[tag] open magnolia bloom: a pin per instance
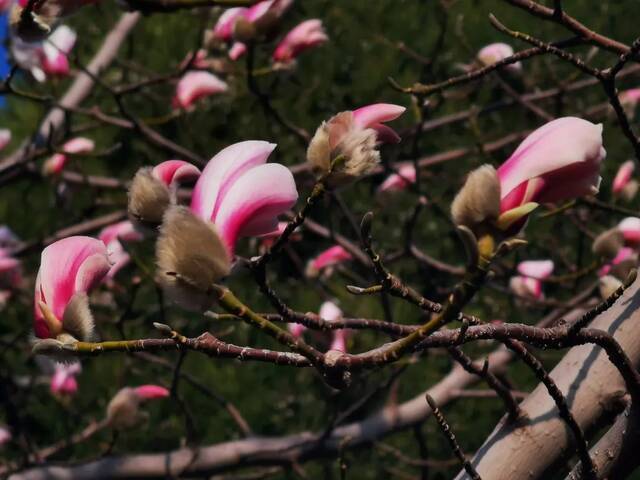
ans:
(152, 190)
(123, 411)
(305, 36)
(55, 50)
(237, 195)
(346, 146)
(558, 161)
(112, 236)
(69, 269)
(496, 52)
(195, 85)
(529, 282)
(76, 146)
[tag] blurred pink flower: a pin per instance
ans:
(306, 35)
(123, 410)
(111, 236)
(399, 181)
(63, 380)
(629, 100)
(330, 312)
(223, 29)
(496, 52)
(622, 178)
(55, 50)
(5, 137)
(77, 145)
(195, 85)
(242, 194)
(67, 267)
(237, 50)
(529, 282)
(5, 436)
(624, 254)
(630, 228)
(330, 257)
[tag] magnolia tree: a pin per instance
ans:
(238, 245)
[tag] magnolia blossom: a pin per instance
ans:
(296, 329)
(306, 35)
(399, 181)
(619, 266)
(629, 100)
(353, 135)
(69, 268)
(241, 194)
(327, 259)
(123, 411)
(623, 185)
(112, 236)
(497, 52)
(195, 85)
(558, 161)
(55, 50)
(5, 435)
(237, 50)
(529, 282)
(223, 29)
(630, 228)
(77, 145)
(63, 380)
(330, 312)
(5, 137)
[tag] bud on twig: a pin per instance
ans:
(479, 199)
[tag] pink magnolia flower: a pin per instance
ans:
(237, 50)
(399, 181)
(306, 35)
(558, 161)
(68, 267)
(529, 282)
(242, 194)
(63, 381)
(629, 100)
(112, 236)
(274, 8)
(624, 254)
(330, 312)
(296, 329)
(77, 145)
(630, 228)
(329, 258)
(171, 172)
(623, 176)
(223, 29)
(5, 435)
(123, 410)
(195, 85)
(55, 50)
(5, 137)
(496, 52)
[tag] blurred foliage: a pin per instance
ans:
(350, 71)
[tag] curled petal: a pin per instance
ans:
(538, 269)
(196, 85)
(371, 115)
(150, 392)
(176, 171)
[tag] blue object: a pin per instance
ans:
(4, 56)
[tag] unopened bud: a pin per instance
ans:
(77, 319)
(629, 191)
(191, 257)
(148, 198)
(123, 411)
(608, 243)
(479, 199)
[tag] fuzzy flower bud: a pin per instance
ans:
(608, 243)
(479, 199)
(123, 411)
(191, 257)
